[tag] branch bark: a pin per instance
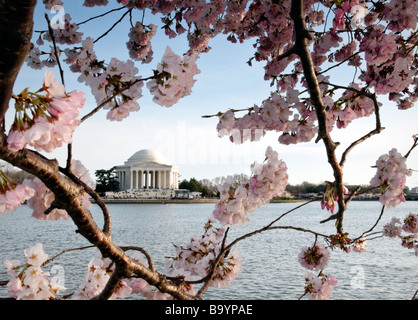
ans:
(16, 25)
(302, 50)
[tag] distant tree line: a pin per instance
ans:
(208, 187)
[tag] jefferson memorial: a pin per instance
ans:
(147, 169)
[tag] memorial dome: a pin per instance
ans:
(146, 156)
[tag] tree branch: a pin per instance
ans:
(302, 50)
(16, 23)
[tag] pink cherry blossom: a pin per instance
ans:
(268, 180)
(54, 121)
(28, 280)
(42, 200)
(411, 223)
(12, 195)
(177, 78)
(315, 257)
(391, 177)
(319, 287)
(393, 228)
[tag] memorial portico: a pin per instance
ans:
(147, 169)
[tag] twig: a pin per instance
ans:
(375, 224)
(65, 251)
(145, 253)
(51, 33)
(102, 104)
(375, 131)
(338, 64)
(114, 25)
(100, 15)
(415, 137)
(295, 208)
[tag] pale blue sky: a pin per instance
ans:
(190, 141)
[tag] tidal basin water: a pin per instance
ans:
(271, 270)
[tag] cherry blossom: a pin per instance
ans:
(411, 223)
(391, 177)
(43, 197)
(99, 271)
(359, 245)
(139, 44)
(315, 257)
(42, 200)
(29, 281)
(319, 287)
(376, 39)
(12, 195)
(54, 117)
(330, 196)
(196, 259)
(268, 180)
(176, 78)
(115, 85)
(394, 229)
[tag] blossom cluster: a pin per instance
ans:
(28, 280)
(394, 229)
(351, 106)
(286, 115)
(96, 278)
(330, 196)
(116, 85)
(175, 78)
(315, 257)
(391, 177)
(319, 287)
(139, 44)
(267, 180)
(12, 195)
(45, 121)
(197, 258)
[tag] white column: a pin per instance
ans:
(146, 177)
(140, 176)
(164, 179)
(170, 179)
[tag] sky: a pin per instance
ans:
(189, 141)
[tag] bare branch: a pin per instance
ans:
(96, 198)
(145, 253)
(56, 51)
(414, 145)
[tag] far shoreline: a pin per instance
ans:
(188, 201)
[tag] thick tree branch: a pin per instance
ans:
(67, 194)
(302, 50)
(16, 23)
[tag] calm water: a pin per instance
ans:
(270, 266)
